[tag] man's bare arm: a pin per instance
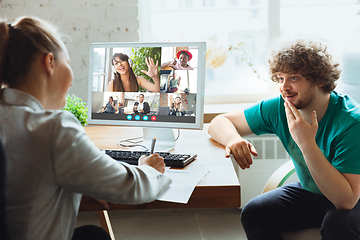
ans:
(228, 129)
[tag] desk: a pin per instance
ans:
(219, 189)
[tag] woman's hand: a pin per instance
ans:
(154, 160)
(152, 68)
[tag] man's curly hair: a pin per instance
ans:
(309, 58)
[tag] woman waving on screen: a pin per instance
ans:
(125, 79)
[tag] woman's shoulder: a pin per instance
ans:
(67, 125)
(49, 124)
(60, 117)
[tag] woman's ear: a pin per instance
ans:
(50, 64)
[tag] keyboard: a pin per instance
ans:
(171, 159)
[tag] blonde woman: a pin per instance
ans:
(50, 160)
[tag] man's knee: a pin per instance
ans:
(248, 209)
(341, 224)
(253, 210)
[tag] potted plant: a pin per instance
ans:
(77, 107)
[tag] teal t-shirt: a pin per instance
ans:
(174, 83)
(337, 136)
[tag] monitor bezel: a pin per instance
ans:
(199, 117)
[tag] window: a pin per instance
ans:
(100, 69)
(238, 33)
(322, 20)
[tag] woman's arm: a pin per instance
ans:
(102, 109)
(149, 85)
(153, 73)
(93, 173)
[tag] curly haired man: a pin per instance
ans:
(318, 128)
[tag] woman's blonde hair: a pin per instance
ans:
(21, 42)
(307, 57)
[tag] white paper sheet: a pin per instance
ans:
(182, 186)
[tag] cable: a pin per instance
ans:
(178, 135)
(131, 142)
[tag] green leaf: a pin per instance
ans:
(77, 107)
(138, 58)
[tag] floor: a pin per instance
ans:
(175, 224)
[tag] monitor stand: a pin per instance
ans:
(165, 140)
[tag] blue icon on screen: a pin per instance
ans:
(129, 117)
(145, 118)
(137, 117)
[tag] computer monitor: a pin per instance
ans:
(127, 89)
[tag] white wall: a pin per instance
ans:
(84, 21)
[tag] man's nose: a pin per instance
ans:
(285, 85)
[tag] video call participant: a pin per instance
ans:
(110, 107)
(57, 162)
(141, 106)
(182, 64)
(177, 108)
(173, 83)
(125, 79)
(318, 127)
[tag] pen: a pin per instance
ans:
(153, 145)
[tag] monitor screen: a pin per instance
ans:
(149, 85)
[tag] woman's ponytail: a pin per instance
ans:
(4, 44)
(21, 43)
